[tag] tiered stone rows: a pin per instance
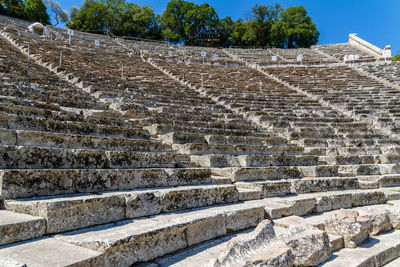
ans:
(339, 51)
(370, 99)
(388, 72)
(58, 140)
(283, 56)
(107, 160)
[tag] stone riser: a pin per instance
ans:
(285, 172)
(68, 212)
(27, 123)
(46, 139)
(31, 183)
(52, 158)
(298, 186)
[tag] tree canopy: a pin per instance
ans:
(33, 10)
(117, 16)
(182, 22)
(187, 23)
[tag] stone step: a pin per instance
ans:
(299, 186)
(127, 242)
(345, 151)
(297, 172)
(71, 141)
(33, 183)
(48, 252)
(198, 255)
(64, 115)
(182, 138)
(261, 173)
(15, 227)
(200, 149)
(223, 160)
(389, 180)
(47, 125)
(245, 140)
(27, 157)
(157, 129)
(68, 212)
(376, 251)
(304, 204)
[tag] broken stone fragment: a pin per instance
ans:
(380, 221)
(243, 246)
(310, 247)
(347, 223)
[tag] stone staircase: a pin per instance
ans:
(119, 155)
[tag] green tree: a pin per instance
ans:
(73, 13)
(138, 21)
(13, 8)
(90, 18)
(298, 29)
(258, 30)
(60, 15)
(35, 10)
(121, 18)
(185, 22)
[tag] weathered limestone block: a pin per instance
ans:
(197, 196)
(310, 247)
(300, 205)
(368, 198)
(241, 246)
(29, 183)
(16, 227)
(48, 252)
(341, 200)
(347, 223)
(128, 160)
(278, 254)
(276, 210)
(143, 203)
(127, 242)
(324, 203)
(243, 216)
(248, 194)
(267, 188)
(205, 230)
(337, 242)
(380, 221)
(65, 213)
(27, 157)
(393, 210)
(308, 185)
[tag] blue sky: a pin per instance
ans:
(377, 21)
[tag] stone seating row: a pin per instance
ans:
(119, 244)
(264, 245)
(340, 50)
(369, 99)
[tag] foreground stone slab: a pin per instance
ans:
(144, 239)
(278, 254)
(15, 227)
(380, 220)
(347, 223)
(239, 248)
(310, 247)
(375, 251)
(72, 211)
(49, 252)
